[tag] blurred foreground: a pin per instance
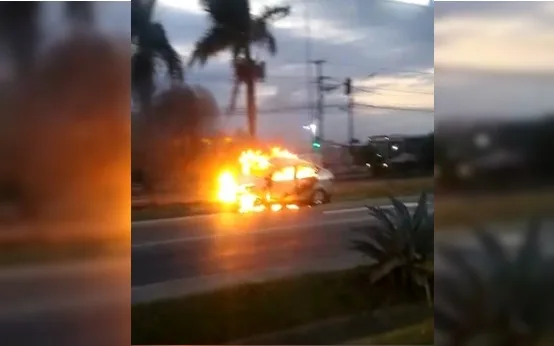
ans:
(64, 181)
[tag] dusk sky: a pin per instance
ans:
(356, 37)
(494, 59)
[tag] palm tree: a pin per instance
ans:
(400, 245)
(20, 31)
(493, 298)
(80, 13)
(150, 43)
(235, 29)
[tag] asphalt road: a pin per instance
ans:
(66, 304)
(234, 244)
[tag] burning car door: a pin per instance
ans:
(282, 184)
(306, 179)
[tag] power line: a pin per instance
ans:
(242, 112)
(362, 89)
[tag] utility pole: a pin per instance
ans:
(320, 99)
(350, 109)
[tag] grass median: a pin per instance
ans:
(344, 191)
(418, 334)
(247, 310)
(457, 210)
(37, 251)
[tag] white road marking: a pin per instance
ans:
(360, 209)
(162, 221)
(159, 222)
(298, 227)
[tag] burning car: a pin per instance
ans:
(275, 180)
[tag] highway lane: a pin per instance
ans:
(84, 303)
(157, 231)
(233, 244)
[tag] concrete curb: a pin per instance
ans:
(376, 201)
(53, 270)
(177, 288)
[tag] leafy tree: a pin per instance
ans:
(494, 298)
(150, 44)
(400, 245)
(168, 147)
(234, 28)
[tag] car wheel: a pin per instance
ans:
(318, 197)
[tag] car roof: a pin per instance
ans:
(288, 161)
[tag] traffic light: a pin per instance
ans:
(348, 86)
(316, 143)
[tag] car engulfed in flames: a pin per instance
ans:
(246, 187)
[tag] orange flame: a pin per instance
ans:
(254, 162)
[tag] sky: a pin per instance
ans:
(493, 60)
(357, 38)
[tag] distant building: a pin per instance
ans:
(394, 145)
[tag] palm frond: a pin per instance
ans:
(384, 268)
(403, 214)
(216, 40)
(491, 299)
(142, 76)
(492, 247)
(232, 14)
(173, 61)
(141, 16)
(383, 217)
(529, 254)
(420, 276)
(371, 248)
(453, 257)
(421, 214)
(261, 36)
(273, 13)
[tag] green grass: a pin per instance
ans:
(28, 253)
(344, 191)
(452, 211)
(418, 334)
(256, 309)
(166, 211)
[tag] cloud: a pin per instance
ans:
(494, 59)
(355, 37)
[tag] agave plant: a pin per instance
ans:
(500, 299)
(400, 244)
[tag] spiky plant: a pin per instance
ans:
(400, 244)
(498, 298)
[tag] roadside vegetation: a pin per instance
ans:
(495, 297)
(399, 275)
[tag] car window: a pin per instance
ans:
(305, 171)
(283, 174)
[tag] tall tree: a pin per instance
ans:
(150, 44)
(20, 30)
(80, 13)
(234, 28)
